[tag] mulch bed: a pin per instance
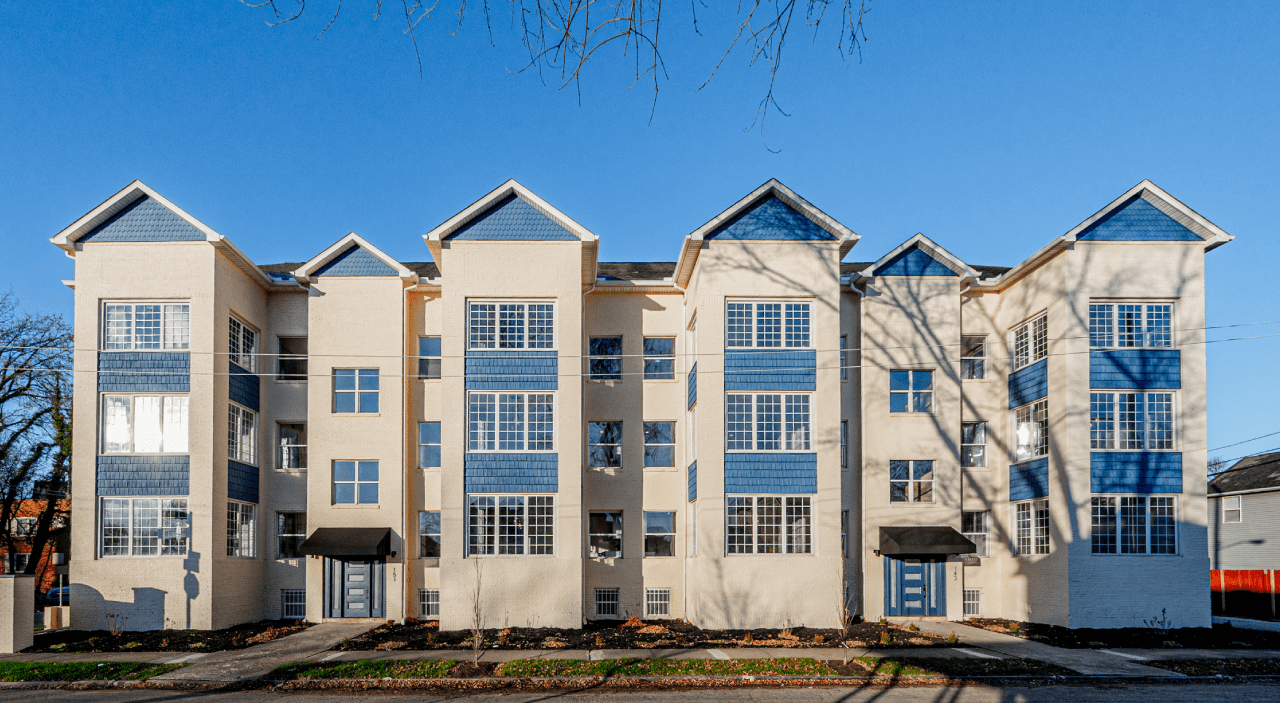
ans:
(1219, 637)
(189, 641)
(650, 634)
(1219, 667)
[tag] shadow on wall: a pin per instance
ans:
(91, 611)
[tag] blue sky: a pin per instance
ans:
(989, 127)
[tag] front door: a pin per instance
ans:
(915, 587)
(354, 588)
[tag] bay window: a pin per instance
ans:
(1133, 525)
(510, 422)
(767, 324)
(767, 422)
(144, 527)
(146, 326)
(242, 345)
(242, 530)
(1131, 421)
(242, 434)
(510, 525)
(1031, 519)
(1031, 430)
(144, 424)
(511, 325)
(767, 525)
(1131, 325)
(1030, 341)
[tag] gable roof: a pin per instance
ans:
(920, 256)
(1249, 474)
(770, 218)
(512, 218)
(353, 256)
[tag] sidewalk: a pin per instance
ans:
(258, 661)
(506, 655)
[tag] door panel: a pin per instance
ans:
(914, 587)
(354, 588)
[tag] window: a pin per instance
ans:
(973, 444)
(293, 604)
(767, 325)
(429, 534)
(691, 516)
(429, 357)
(976, 526)
(497, 525)
(972, 602)
(755, 524)
(510, 422)
(511, 325)
(607, 602)
(355, 390)
(1030, 342)
(291, 531)
(158, 326)
(604, 445)
(242, 434)
(242, 345)
(1131, 421)
(429, 603)
(1032, 520)
(144, 424)
(1231, 509)
(429, 445)
(659, 358)
(973, 358)
(844, 533)
(767, 422)
(844, 359)
(844, 444)
(604, 535)
(1133, 525)
(659, 444)
(16, 563)
(659, 534)
(910, 481)
(910, 391)
(1031, 430)
(242, 537)
(657, 602)
(605, 362)
(355, 482)
(24, 526)
(293, 445)
(1130, 325)
(292, 361)
(144, 527)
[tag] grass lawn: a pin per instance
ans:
(365, 670)
(81, 671)
(959, 667)
(665, 667)
(1213, 667)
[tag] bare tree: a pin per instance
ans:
(1216, 466)
(477, 615)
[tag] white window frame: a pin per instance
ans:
(489, 440)
(605, 367)
(1107, 437)
(670, 445)
(423, 462)
(914, 396)
(1107, 335)
(293, 603)
(242, 434)
(429, 365)
(977, 363)
(478, 341)
(916, 487)
(181, 439)
(594, 552)
(301, 364)
(425, 532)
(242, 530)
(786, 327)
(429, 603)
(1031, 537)
(484, 531)
(1118, 544)
(980, 537)
(1028, 417)
(617, 447)
(174, 326)
(242, 344)
(357, 376)
(356, 482)
(793, 435)
(965, 457)
(300, 536)
(657, 602)
(654, 532)
(298, 451)
(607, 603)
(671, 358)
(844, 357)
(764, 533)
(1238, 510)
(172, 527)
(975, 601)
(1030, 341)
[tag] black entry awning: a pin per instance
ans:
(348, 542)
(924, 540)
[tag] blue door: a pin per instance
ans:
(915, 587)
(354, 588)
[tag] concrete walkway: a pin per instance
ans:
(506, 655)
(259, 660)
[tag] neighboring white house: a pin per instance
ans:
(1244, 537)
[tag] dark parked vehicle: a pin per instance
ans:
(58, 596)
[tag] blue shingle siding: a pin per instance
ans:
(1029, 383)
(913, 262)
(144, 372)
(1137, 221)
(1135, 368)
(145, 220)
(242, 482)
(770, 218)
(693, 386)
(770, 473)
(770, 371)
(356, 261)
(1135, 472)
(512, 370)
(513, 219)
(1030, 479)
(243, 387)
(693, 481)
(495, 472)
(151, 475)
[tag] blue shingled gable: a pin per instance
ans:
(913, 262)
(513, 219)
(356, 261)
(770, 219)
(1137, 221)
(146, 220)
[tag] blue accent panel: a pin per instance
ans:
(243, 387)
(356, 261)
(693, 386)
(151, 475)
(242, 482)
(146, 220)
(770, 473)
(1030, 479)
(770, 219)
(1029, 383)
(1137, 221)
(512, 370)
(1135, 472)
(142, 372)
(530, 472)
(693, 481)
(913, 262)
(1135, 368)
(513, 219)
(770, 371)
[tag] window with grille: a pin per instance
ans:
(910, 481)
(146, 326)
(144, 527)
(293, 445)
(144, 424)
(972, 602)
(429, 603)
(1031, 430)
(973, 358)
(605, 362)
(510, 422)
(606, 602)
(511, 325)
(659, 444)
(1131, 421)
(429, 445)
(510, 525)
(292, 360)
(604, 535)
(242, 529)
(242, 434)
(1031, 519)
(659, 358)
(657, 602)
(659, 534)
(1130, 325)
(242, 345)
(293, 604)
(767, 324)
(1030, 342)
(429, 534)
(976, 526)
(24, 526)
(767, 525)
(1133, 525)
(910, 391)
(291, 531)
(355, 482)
(765, 422)
(355, 390)
(973, 444)
(429, 357)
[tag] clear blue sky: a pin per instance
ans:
(989, 127)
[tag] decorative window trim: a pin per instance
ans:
(1113, 427)
(242, 530)
(975, 525)
(502, 525)
(784, 527)
(165, 527)
(654, 530)
(486, 435)
(242, 344)
(790, 413)
(1113, 516)
(1111, 324)
(1030, 341)
(604, 530)
(242, 434)
(1030, 429)
(173, 325)
(173, 423)
(789, 326)
(655, 362)
(506, 332)
(973, 362)
(914, 401)
(1031, 523)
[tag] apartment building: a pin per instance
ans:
(756, 434)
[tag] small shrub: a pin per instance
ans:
(748, 637)
(885, 638)
(953, 639)
(431, 637)
(1013, 627)
(600, 641)
(913, 627)
(819, 639)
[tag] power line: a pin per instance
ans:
(1246, 441)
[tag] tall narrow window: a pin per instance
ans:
(659, 534)
(910, 391)
(844, 444)
(355, 482)
(910, 481)
(293, 446)
(429, 534)
(606, 359)
(355, 390)
(291, 531)
(429, 357)
(844, 357)
(242, 532)
(767, 324)
(1030, 342)
(973, 444)
(1031, 430)
(604, 445)
(604, 535)
(146, 326)
(292, 360)
(242, 434)
(1032, 527)
(659, 444)
(844, 533)
(975, 526)
(659, 358)
(429, 445)
(242, 346)
(973, 358)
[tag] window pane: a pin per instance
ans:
(659, 433)
(1102, 421)
(659, 523)
(768, 324)
(898, 402)
(737, 422)
(899, 380)
(797, 324)
(1102, 535)
(1129, 326)
(1129, 420)
(146, 326)
(768, 422)
(368, 493)
(1133, 525)
(738, 325)
(369, 402)
(1100, 326)
(483, 332)
(739, 522)
(117, 330)
(1159, 325)
(1164, 536)
(541, 414)
(177, 326)
(344, 471)
(511, 326)
(797, 422)
(659, 456)
(659, 346)
(510, 422)
(1159, 421)
(511, 525)
(116, 432)
(146, 527)
(368, 471)
(428, 433)
(541, 323)
(769, 537)
(175, 423)
(146, 424)
(368, 379)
